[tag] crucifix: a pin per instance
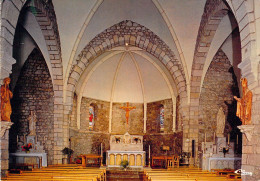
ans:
(127, 109)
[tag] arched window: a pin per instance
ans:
(91, 117)
(161, 117)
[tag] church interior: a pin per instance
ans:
(152, 86)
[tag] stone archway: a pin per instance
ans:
(45, 16)
(134, 35)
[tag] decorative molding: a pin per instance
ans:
(247, 130)
(5, 126)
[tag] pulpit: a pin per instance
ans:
(126, 147)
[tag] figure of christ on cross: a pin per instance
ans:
(127, 110)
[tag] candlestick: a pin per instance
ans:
(228, 138)
(24, 139)
(205, 137)
(214, 137)
(101, 150)
(237, 139)
(17, 139)
(149, 151)
(101, 162)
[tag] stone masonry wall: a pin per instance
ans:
(218, 90)
(34, 92)
(136, 123)
(156, 141)
(153, 113)
(101, 119)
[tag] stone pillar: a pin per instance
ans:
(251, 133)
(5, 126)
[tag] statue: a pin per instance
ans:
(32, 123)
(6, 95)
(221, 119)
(244, 104)
(127, 110)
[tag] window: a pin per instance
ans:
(161, 118)
(91, 117)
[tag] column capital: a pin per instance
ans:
(5, 126)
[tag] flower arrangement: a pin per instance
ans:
(124, 163)
(67, 151)
(27, 147)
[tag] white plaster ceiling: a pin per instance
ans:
(127, 77)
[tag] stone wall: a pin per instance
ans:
(88, 142)
(218, 90)
(101, 119)
(84, 141)
(153, 113)
(34, 92)
(135, 122)
(156, 141)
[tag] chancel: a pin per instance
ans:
(94, 88)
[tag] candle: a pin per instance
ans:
(149, 151)
(214, 137)
(101, 150)
(237, 139)
(205, 137)
(17, 139)
(228, 138)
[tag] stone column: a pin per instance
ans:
(5, 126)
(251, 133)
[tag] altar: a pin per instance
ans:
(126, 147)
(19, 158)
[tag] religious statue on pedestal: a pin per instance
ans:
(221, 119)
(244, 104)
(32, 123)
(6, 95)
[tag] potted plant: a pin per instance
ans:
(124, 164)
(67, 152)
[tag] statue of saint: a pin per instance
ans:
(32, 123)
(6, 95)
(244, 104)
(221, 119)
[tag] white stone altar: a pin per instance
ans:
(126, 147)
(214, 157)
(19, 157)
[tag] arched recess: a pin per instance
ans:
(130, 50)
(218, 90)
(214, 11)
(118, 35)
(34, 92)
(45, 16)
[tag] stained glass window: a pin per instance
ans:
(91, 117)
(161, 118)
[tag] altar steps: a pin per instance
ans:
(121, 175)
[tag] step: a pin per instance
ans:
(118, 175)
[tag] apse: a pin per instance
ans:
(127, 77)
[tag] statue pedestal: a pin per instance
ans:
(247, 130)
(5, 126)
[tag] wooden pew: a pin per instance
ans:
(61, 172)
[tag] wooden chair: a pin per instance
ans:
(174, 162)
